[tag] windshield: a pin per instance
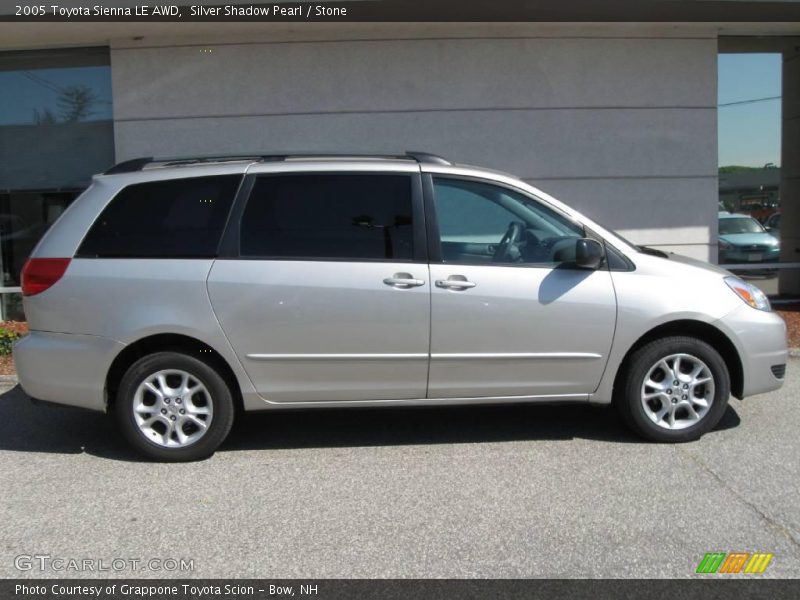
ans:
(739, 225)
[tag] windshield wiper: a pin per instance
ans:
(652, 251)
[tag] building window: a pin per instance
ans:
(749, 128)
(56, 131)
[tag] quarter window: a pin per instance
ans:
(349, 217)
(484, 223)
(176, 218)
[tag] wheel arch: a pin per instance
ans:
(696, 329)
(165, 342)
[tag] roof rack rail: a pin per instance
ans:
(427, 157)
(137, 164)
(128, 166)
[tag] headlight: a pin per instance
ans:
(749, 293)
(723, 245)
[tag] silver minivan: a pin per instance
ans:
(177, 293)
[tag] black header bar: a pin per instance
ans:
(406, 10)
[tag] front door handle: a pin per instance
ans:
(403, 281)
(455, 282)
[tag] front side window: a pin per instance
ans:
(329, 216)
(176, 218)
(484, 223)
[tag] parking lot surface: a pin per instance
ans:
(514, 491)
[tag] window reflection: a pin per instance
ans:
(51, 96)
(56, 131)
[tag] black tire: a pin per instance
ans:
(219, 396)
(628, 396)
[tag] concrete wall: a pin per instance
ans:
(618, 121)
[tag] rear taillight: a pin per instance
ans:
(39, 274)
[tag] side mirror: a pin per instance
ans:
(588, 253)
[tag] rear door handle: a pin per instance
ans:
(403, 281)
(455, 284)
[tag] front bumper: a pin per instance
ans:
(65, 368)
(760, 338)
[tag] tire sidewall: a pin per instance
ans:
(640, 364)
(220, 397)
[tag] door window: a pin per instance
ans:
(331, 216)
(483, 223)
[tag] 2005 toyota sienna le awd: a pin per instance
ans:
(177, 293)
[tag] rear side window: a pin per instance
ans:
(349, 217)
(177, 218)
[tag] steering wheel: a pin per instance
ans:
(507, 250)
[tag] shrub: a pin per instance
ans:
(7, 339)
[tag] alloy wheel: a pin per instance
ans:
(677, 391)
(172, 408)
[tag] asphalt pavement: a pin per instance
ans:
(506, 491)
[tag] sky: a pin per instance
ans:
(749, 134)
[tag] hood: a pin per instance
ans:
(671, 258)
(749, 239)
(699, 264)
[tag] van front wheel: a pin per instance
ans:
(675, 389)
(173, 407)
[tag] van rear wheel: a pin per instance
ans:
(173, 407)
(674, 389)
